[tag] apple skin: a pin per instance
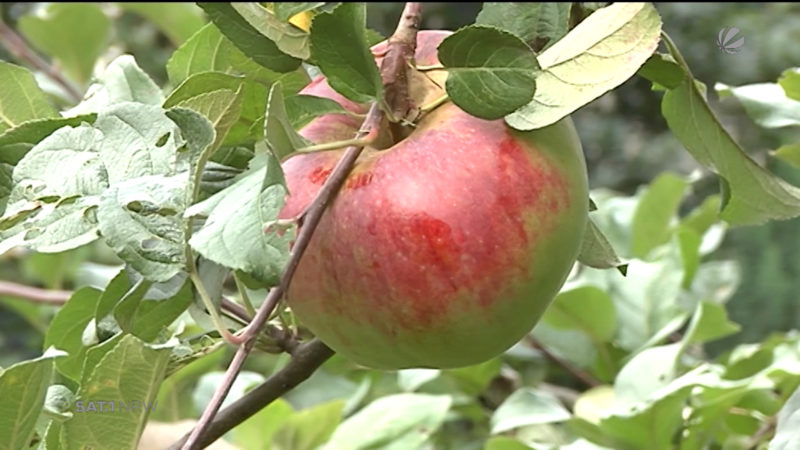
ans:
(443, 250)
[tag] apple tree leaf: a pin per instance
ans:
(490, 72)
(790, 82)
(339, 47)
(285, 10)
(127, 371)
(75, 34)
(789, 153)
(222, 107)
(754, 195)
(122, 81)
(527, 407)
(289, 39)
(21, 99)
(23, 388)
(598, 55)
(586, 308)
(66, 330)
(654, 212)
(19, 140)
(787, 431)
(282, 139)
(597, 252)
(141, 219)
(209, 50)
(250, 41)
(235, 232)
(538, 24)
(766, 103)
(309, 428)
(662, 69)
(177, 20)
(401, 420)
(302, 109)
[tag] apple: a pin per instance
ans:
(444, 246)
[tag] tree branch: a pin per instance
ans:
(34, 294)
(20, 49)
(401, 48)
(306, 359)
(581, 375)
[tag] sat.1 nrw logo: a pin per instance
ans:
(727, 42)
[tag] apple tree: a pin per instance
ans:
(315, 236)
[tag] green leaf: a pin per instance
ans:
(505, 443)
(689, 244)
(6, 185)
(310, 428)
(256, 432)
(654, 212)
(222, 107)
(234, 234)
(710, 322)
(125, 309)
(766, 103)
(597, 252)
(66, 330)
(756, 195)
(588, 309)
(142, 221)
(289, 39)
(473, 380)
(302, 109)
(209, 51)
(410, 380)
(282, 139)
(789, 153)
(647, 372)
(790, 82)
(21, 99)
(398, 421)
(153, 315)
(18, 141)
(340, 49)
(253, 103)
(787, 431)
(249, 40)
(596, 56)
(139, 140)
(527, 407)
(198, 133)
(75, 34)
(662, 69)
(129, 374)
(179, 21)
(285, 10)
(538, 24)
(490, 72)
(122, 81)
(23, 387)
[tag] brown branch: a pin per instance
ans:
(401, 48)
(34, 294)
(306, 359)
(581, 375)
(20, 49)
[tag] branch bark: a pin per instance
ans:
(401, 48)
(34, 294)
(581, 375)
(20, 49)
(306, 359)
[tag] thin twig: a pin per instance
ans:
(581, 375)
(306, 359)
(20, 49)
(34, 294)
(401, 48)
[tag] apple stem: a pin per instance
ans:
(401, 48)
(336, 145)
(434, 104)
